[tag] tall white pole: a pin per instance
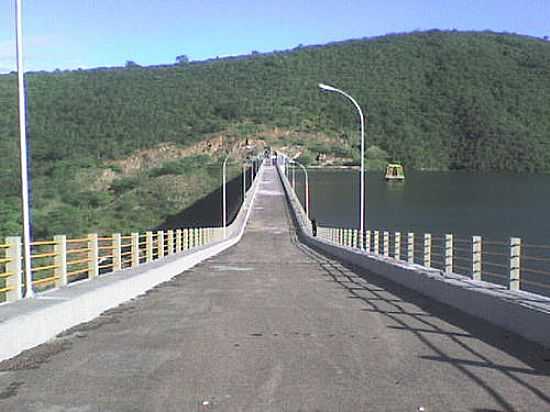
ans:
(25, 207)
(244, 182)
(362, 207)
(224, 201)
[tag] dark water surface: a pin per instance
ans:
(495, 207)
(465, 204)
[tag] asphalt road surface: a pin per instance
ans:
(270, 325)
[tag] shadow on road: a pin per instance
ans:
(389, 299)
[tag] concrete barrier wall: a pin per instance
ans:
(523, 313)
(31, 322)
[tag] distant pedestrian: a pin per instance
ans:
(314, 227)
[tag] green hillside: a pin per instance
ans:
(435, 100)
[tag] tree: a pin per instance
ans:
(182, 59)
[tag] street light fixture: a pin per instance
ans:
(327, 88)
(25, 204)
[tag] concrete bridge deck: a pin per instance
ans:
(270, 325)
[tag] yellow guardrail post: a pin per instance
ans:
(148, 246)
(448, 253)
(397, 246)
(515, 253)
(135, 249)
(427, 250)
(60, 260)
(178, 240)
(170, 242)
(14, 266)
(117, 251)
(185, 239)
(410, 247)
(160, 243)
(195, 237)
(93, 256)
(386, 244)
(476, 257)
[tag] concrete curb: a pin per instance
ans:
(523, 313)
(30, 322)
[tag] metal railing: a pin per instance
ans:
(61, 261)
(510, 263)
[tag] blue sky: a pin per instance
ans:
(91, 33)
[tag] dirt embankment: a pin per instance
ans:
(283, 140)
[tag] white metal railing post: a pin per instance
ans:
(376, 242)
(386, 249)
(367, 248)
(410, 247)
(515, 264)
(170, 242)
(60, 260)
(117, 252)
(149, 246)
(135, 249)
(93, 256)
(448, 253)
(178, 240)
(476, 257)
(15, 268)
(427, 250)
(397, 246)
(160, 244)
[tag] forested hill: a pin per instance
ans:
(479, 101)
(434, 100)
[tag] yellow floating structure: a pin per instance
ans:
(394, 172)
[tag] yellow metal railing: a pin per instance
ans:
(60, 261)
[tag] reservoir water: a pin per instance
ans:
(495, 207)
(465, 204)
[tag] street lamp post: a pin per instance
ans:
(306, 185)
(244, 181)
(224, 193)
(328, 88)
(25, 204)
(224, 200)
